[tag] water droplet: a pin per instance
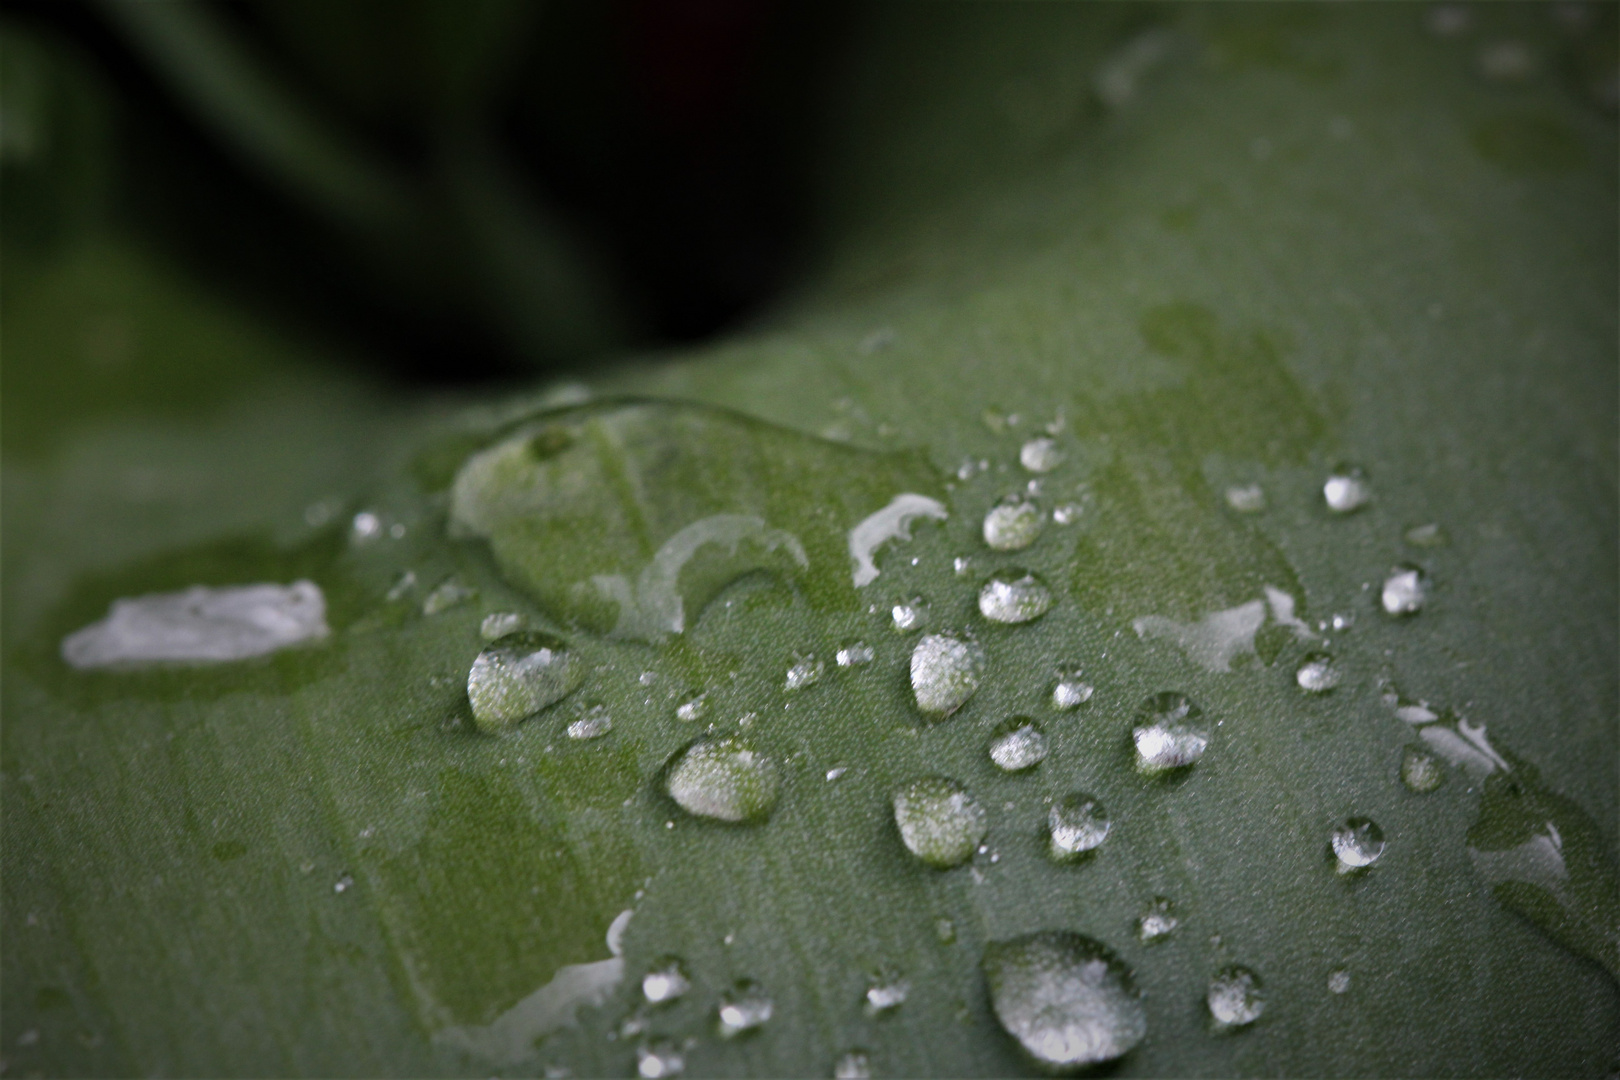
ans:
(1346, 490)
(1405, 590)
(658, 1058)
(447, 594)
(855, 654)
(1246, 499)
(945, 671)
(945, 931)
(1317, 674)
(1013, 524)
(1338, 981)
(1170, 733)
(1421, 771)
(743, 1008)
(1341, 623)
(690, 712)
(1019, 745)
(962, 565)
(1014, 596)
(1234, 997)
(909, 615)
(940, 822)
(592, 723)
(1430, 535)
(1070, 691)
(887, 992)
(724, 779)
(1066, 998)
(365, 527)
(665, 981)
(500, 623)
(1449, 20)
(852, 1065)
(518, 675)
(343, 884)
(806, 671)
(1040, 455)
(1357, 844)
(1157, 922)
(1067, 513)
(836, 773)
(1076, 824)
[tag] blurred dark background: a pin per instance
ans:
(460, 192)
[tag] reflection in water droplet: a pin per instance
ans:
(743, 1008)
(1235, 998)
(855, 654)
(1013, 524)
(1157, 922)
(724, 779)
(518, 675)
(1318, 674)
(1070, 691)
(1066, 998)
(1018, 745)
(1040, 455)
(939, 821)
(690, 712)
(1357, 844)
(852, 1065)
(665, 981)
(886, 993)
(447, 594)
(1247, 499)
(658, 1058)
(498, 624)
(1338, 981)
(1421, 771)
(1346, 490)
(1014, 596)
(945, 671)
(1170, 733)
(1405, 590)
(909, 615)
(805, 672)
(593, 723)
(1076, 824)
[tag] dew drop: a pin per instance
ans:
(887, 992)
(1066, 998)
(690, 712)
(1404, 591)
(1421, 771)
(665, 981)
(1246, 499)
(726, 780)
(1070, 691)
(1317, 674)
(1040, 455)
(852, 1065)
(805, 672)
(1357, 844)
(500, 623)
(1019, 745)
(365, 527)
(447, 594)
(1346, 490)
(945, 671)
(962, 565)
(743, 1008)
(659, 1058)
(939, 821)
(1013, 524)
(343, 884)
(1067, 513)
(518, 675)
(1170, 733)
(855, 654)
(909, 615)
(592, 723)
(1076, 824)
(1014, 596)
(836, 773)
(1338, 981)
(1234, 997)
(1157, 922)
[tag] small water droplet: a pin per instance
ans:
(1246, 498)
(665, 981)
(518, 675)
(690, 712)
(659, 1058)
(1014, 596)
(852, 1065)
(1338, 981)
(343, 884)
(966, 470)
(1066, 998)
(1076, 824)
(945, 931)
(1234, 997)
(447, 594)
(1317, 674)
(1013, 524)
(1357, 844)
(909, 615)
(1170, 733)
(836, 773)
(886, 993)
(365, 527)
(1157, 922)
(962, 565)
(1341, 623)
(725, 779)
(1019, 745)
(1041, 455)
(592, 723)
(1067, 513)
(1430, 535)
(855, 654)
(498, 624)
(945, 672)
(1405, 590)
(939, 821)
(1070, 691)
(806, 671)
(1421, 771)
(743, 1008)
(1346, 491)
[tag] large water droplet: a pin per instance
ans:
(592, 723)
(724, 779)
(1066, 998)
(806, 671)
(1234, 997)
(1346, 490)
(1076, 825)
(1357, 844)
(1013, 524)
(1421, 771)
(518, 675)
(945, 671)
(853, 1065)
(1071, 691)
(744, 1008)
(1405, 590)
(665, 981)
(1169, 733)
(855, 654)
(1317, 674)
(1014, 596)
(1157, 922)
(1018, 745)
(940, 822)
(659, 1058)
(1040, 455)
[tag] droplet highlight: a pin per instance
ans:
(1041, 455)
(806, 671)
(665, 981)
(1071, 691)
(1317, 674)
(1235, 998)
(855, 654)
(1405, 591)
(745, 1007)
(518, 675)
(1170, 733)
(1076, 825)
(1018, 745)
(659, 1058)
(1066, 998)
(939, 821)
(1013, 524)
(945, 673)
(1014, 596)
(1346, 491)
(724, 780)
(1158, 922)
(1357, 844)
(593, 723)
(909, 616)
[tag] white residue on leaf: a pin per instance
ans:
(1212, 642)
(893, 522)
(200, 625)
(1282, 613)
